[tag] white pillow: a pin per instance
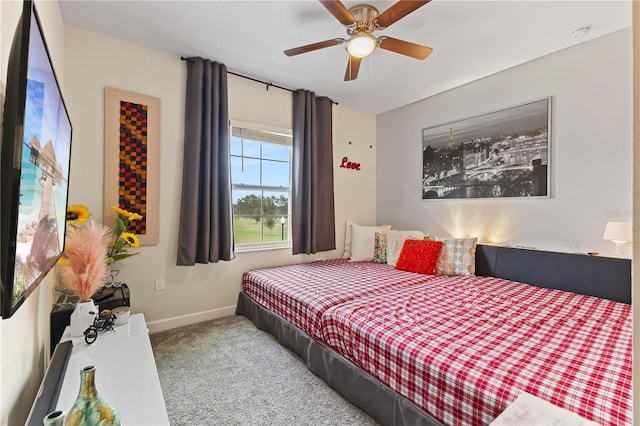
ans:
(363, 241)
(347, 240)
(395, 241)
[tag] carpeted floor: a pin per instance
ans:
(227, 372)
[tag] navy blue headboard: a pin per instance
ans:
(604, 277)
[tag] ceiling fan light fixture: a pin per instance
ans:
(361, 44)
(360, 22)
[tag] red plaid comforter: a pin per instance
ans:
(302, 293)
(462, 348)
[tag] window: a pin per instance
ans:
(260, 185)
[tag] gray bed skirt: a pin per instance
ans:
(352, 382)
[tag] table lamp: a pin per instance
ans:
(619, 233)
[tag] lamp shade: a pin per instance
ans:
(617, 231)
(361, 45)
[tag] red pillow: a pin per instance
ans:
(419, 256)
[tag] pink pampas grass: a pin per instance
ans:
(85, 262)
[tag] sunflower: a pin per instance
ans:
(130, 239)
(125, 214)
(120, 212)
(77, 213)
(134, 216)
(123, 239)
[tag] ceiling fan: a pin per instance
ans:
(361, 21)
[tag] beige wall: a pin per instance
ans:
(94, 62)
(24, 338)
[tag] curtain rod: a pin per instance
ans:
(182, 58)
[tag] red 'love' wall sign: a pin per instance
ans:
(346, 164)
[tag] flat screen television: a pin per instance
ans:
(35, 153)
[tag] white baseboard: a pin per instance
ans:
(182, 320)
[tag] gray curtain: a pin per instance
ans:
(312, 208)
(206, 220)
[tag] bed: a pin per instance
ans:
(444, 368)
(463, 348)
(302, 293)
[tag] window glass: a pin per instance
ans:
(245, 171)
(261, 181)
(272, 151)
(275, 212)
(236, 145)
(251, 148)
(247, 215)
(275, 173)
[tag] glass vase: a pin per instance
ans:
(90, 409)
(82, 317)
(110, 277)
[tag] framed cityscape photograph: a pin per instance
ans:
(500, 154)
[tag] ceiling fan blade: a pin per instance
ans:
(417, 51)
(396, 12)
(352, 68)
(313, 46)
(339, 10)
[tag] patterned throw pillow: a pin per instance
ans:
(419, 256)
(381, 248)
(458, 257)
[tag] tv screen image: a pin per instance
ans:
(35, 158)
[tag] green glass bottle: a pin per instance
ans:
(90, 409)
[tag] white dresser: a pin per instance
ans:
(126, 375)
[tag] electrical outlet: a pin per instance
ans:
(160, 284)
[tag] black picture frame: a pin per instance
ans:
(501, 154)
(35, 154)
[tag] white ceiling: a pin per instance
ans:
(471, 39)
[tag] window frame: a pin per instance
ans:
(282, 136)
